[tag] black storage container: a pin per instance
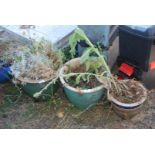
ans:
(135, 43)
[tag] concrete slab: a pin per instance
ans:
(7, 36)
(56, 34)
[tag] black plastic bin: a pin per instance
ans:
(135, 44)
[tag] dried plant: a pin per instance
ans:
(37, 63)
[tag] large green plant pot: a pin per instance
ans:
(32, 87)
(82, 99)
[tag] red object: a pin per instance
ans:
(126, 69)
(152, 65)
(119, 78)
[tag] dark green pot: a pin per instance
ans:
(82, 99)
(32, 88)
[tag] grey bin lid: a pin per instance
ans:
(147, 31)
(142, 28)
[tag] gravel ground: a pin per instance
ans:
(17, 110)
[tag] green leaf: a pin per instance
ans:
(87, 65)
(84, 78)
(78, 79)
(86, 55)
(88, 78)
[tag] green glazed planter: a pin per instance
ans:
(33, 87)
(82, 99)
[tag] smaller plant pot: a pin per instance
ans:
(128, 110)
(126, 113)
(32, 87)
(5, 73)
(80, 98)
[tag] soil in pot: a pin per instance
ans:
(92, 83)
(83, 83)
(131, 93)
(130, 100)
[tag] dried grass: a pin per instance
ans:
(37, 63)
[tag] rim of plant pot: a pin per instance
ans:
(65, 84)
(33, 81)
(128, 105)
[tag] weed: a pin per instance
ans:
(56, 102)
(30, 112)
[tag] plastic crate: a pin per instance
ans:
(135, 43)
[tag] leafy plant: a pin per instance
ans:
(66, 54)
(92, 58)
(87, 58)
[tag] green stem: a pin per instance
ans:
(73, 74)
(103, 60)
(98, 53)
